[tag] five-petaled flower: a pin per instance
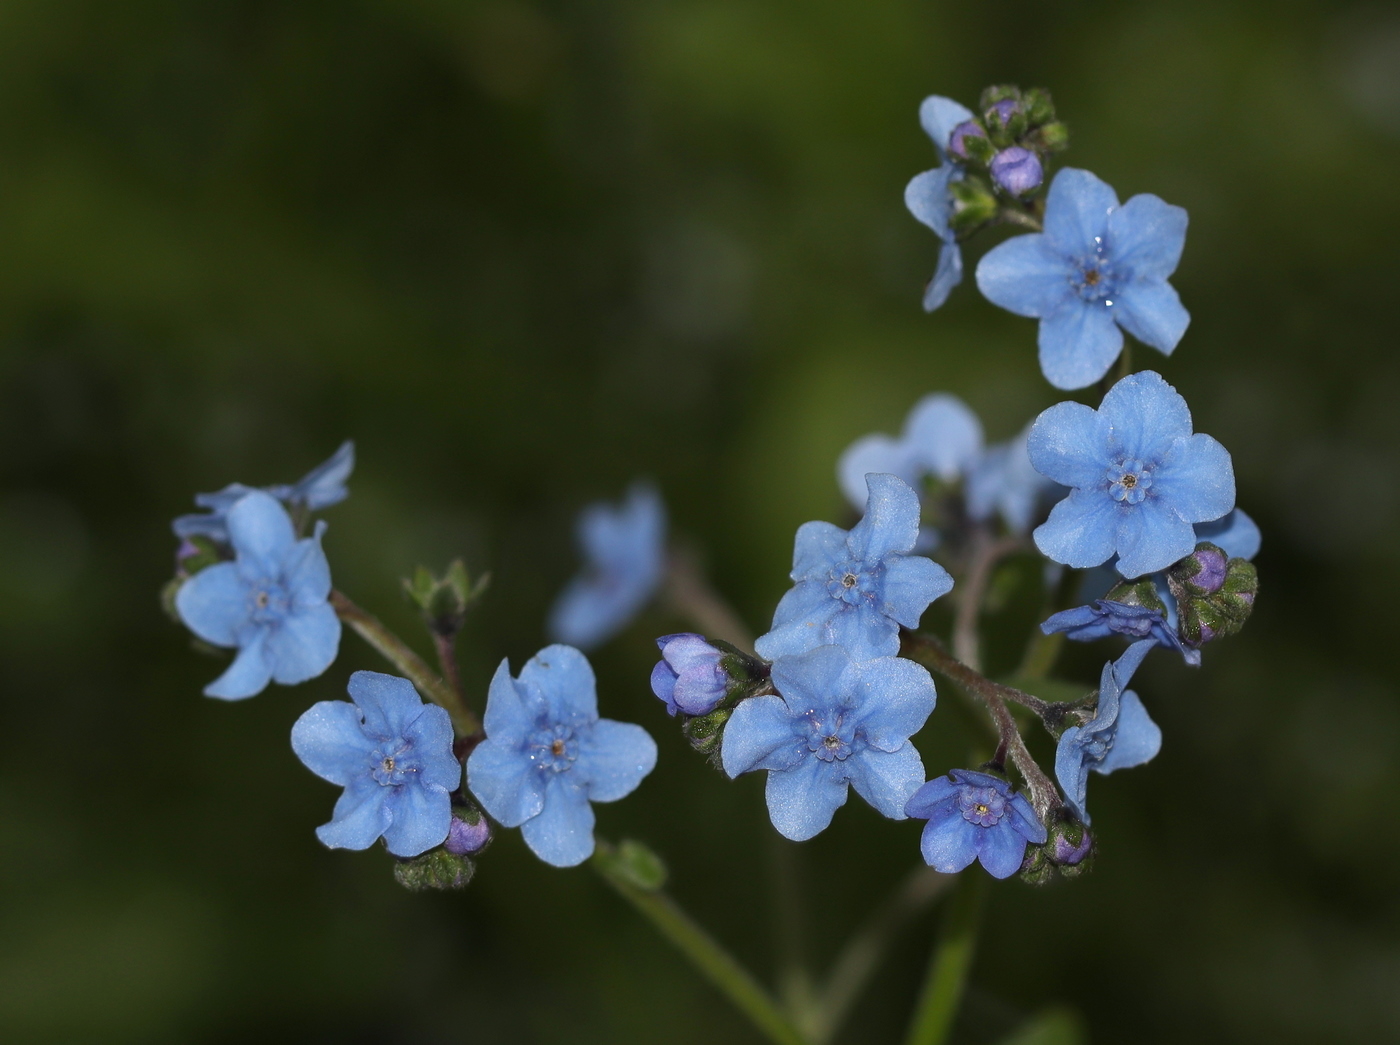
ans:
(1119, 736)
(1097, 267)
(393, 755)
(928, 197)
(834, 723)
(974, 816)
(547, 755)
(626, 556)
(942, 437)
(856, 588)
(1139, 478)
(270, 602)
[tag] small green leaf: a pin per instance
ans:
(639, 865)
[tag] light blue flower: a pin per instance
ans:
(270, 602)
(319, 488)
(835, 723)
(856, 588)
(928, 197)
(689, 677)
(1119, 736)
(974, 816)
(942, 437)
(547, 755)
(393, 755)
(1002, 481)
(1096, 267)
(625, 552)
(1139, 478)
(1236, 534)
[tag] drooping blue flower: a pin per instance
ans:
(1097, 267)
(270, 602)
(835, 722)
(1139, 478)
(974, 816)
(1105, 617)
(856, 588)
(689, 677)
(1002, 481)
(930, 201)
(393, 755)
(942, 437)
(1119, 736)
(547, 755)
(625, 557)
(319, 488)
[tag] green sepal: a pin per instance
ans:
(705, 732)
(1053, 137)
(1222, 612)
(973, 204)
(1138, 593)
(444, 600)
(1039, 108)
(998, 93)
(168, 591)
(636, 863)
(436, 869)
(1036, 868)
(979, 150)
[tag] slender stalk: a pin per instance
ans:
(986, 553)
(859, 959)
(949, 963)
(402, 656)
(788, 888)
(691, 596)
(707, 955)
(447, 660)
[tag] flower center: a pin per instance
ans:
(1095, 281)
(830, 738)
(850, 582)
(1129, 481)
(387, 765)
(269, 603)
(553, 748)
(982, 806)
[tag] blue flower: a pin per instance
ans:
(855, 589)
(942, 437)
(626, 556)
(1119, 736)
(1104, 617)
(689, 677)
(928, 197)
(1140, 479)
(1002, 481)
(974, 816)
(1095, 268)
(1235, 533)
(319, 488)
(835, 723)
(270, 602)
(393, 755)
(547, 755)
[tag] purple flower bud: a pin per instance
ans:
(689, 677)
(964, 130)
(1069, 848)
(465, 837)
(1003, 110)
(1211, 564)
(1017, 170)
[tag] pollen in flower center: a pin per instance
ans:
(850, 582)
(830, 738)
(982, 806)
(387, 767)
(1129, 481)
(553, 748)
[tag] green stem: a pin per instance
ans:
(402, 656)
(949, 963)
(690, 595)
(717, 964)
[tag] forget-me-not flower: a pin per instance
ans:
(1139, 478)
(1104, 617)
(547, 755)
(270, 601)
(689, 677)
(974, 816)
(856, 588)
(393, 755)
(625, 549)
(835, 723)
(319, 488)
(930, 201)
(1097, 267)
(942, 437)
(1119, 736)
(1002, 481)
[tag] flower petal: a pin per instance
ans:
(324, 485)
(562, 834)
(261, 533)
(887, 779)
(818, 547)
(928, 200)
(507, 716)
(388, 702)
(910, 584)
(899, 696)
(431, 735)
(1077, 210)
(1153, 313)
(944, 436)
(1151, 537)
(361, 815)
(938, 116)
(1082, 530)
(614, 759)
(1065, 445)
(304, 644)
(947, 275)
(1138, 738)
(760, 735)
(1001, 849)
(1147, 235)
(1144, 417)
(803, 799)
(214, 604)
(862, 630)
(421, 816)
(891, 522)
(1070, 770)
(1025, 276)
(563, 676)
(1078, 343)
(247, 676)
(924, 803)
(306, 571)
(1235, 533)
(503, 779)
(948, 842)
(1197, 478)
(800, 623)
(330, 742)
(871, 453)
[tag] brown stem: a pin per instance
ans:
(986, 553)
(447, 660)
(691, 596)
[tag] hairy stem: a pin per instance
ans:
(447, 660)
(691, 596)
(948, 966)
(406, 660)
(986, 553)
(705, 953)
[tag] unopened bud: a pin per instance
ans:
(1214, 595)
(469, 832)
(1017, 170)
(436, 869)
(958, 141)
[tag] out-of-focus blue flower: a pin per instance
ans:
(855, 588)
(1139, 478)
(1003, 481)
(835, 723)
(547, 755)
(1104, 617)
(393, 755)
(689, 677)
(1017, 170)
(942, 437)
(270, 602)
(1235, 533)
(1119, 736)
(1096, 267)
(625, 552)
(928, 197)
(974, 816)
(319, 488)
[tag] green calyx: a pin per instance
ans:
(973, 201)
(1138, 593)
(444, 600)
(1205, 615)
(437, 869)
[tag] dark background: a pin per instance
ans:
(525, 252)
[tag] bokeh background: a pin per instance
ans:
(525, 251)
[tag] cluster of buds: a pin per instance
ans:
(702, 681)
(1068, 852)
(1010, 142)
(1214, 594)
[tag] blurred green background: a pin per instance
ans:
(523, 252)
